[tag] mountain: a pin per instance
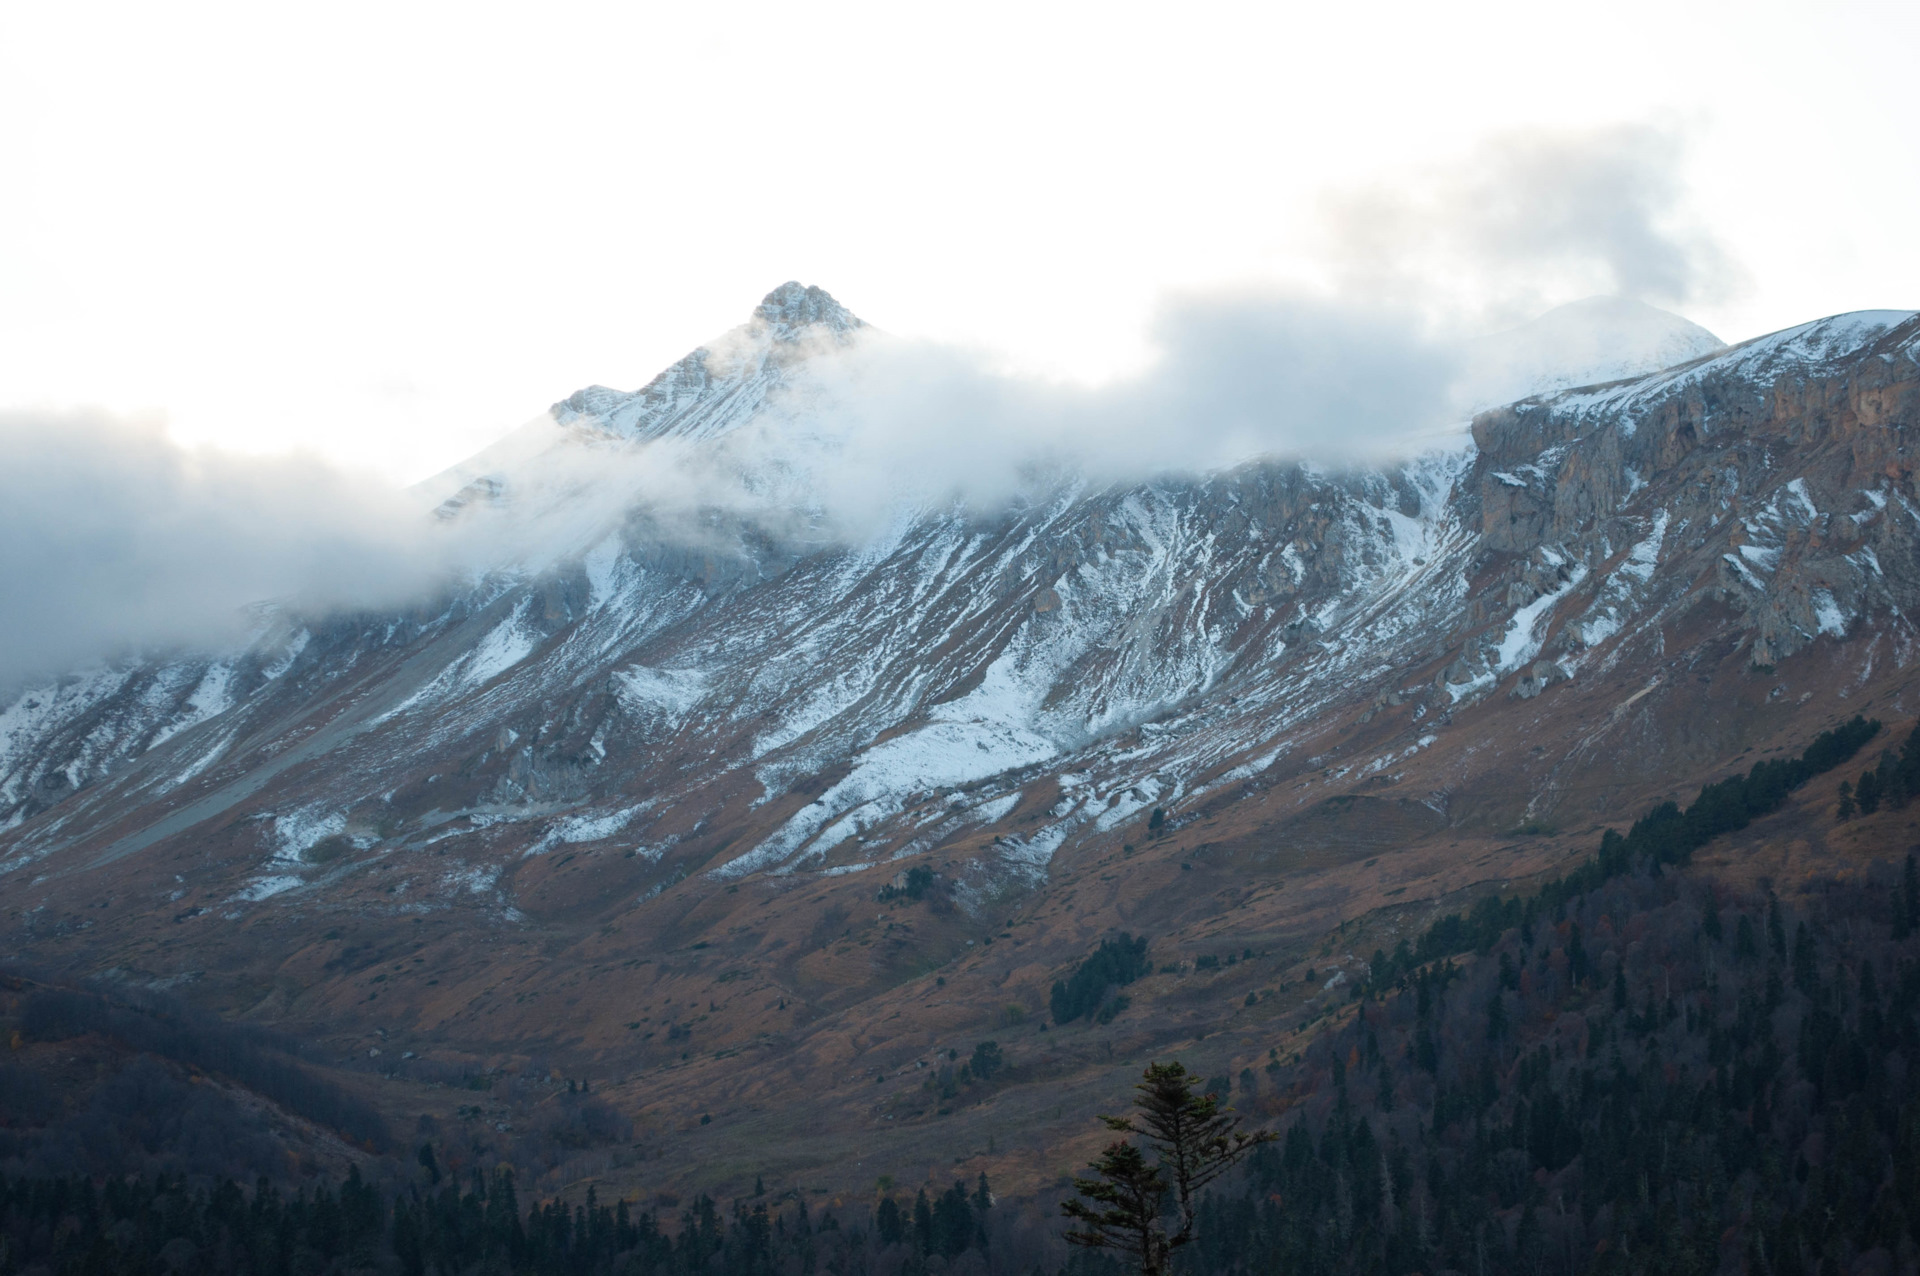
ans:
(646, 806)
(1583, 343)
(710, 392)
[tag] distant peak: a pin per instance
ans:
(1586, 342)
(1623, 314)
(791, 307)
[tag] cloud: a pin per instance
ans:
(1395, 346)
(115, 540)
(1236, 375)
(1527, 219)
(868, 427)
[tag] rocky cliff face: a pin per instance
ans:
(1165, 695)
(1780, 477)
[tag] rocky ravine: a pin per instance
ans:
(647, 784)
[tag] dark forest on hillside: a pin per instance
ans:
(1661, 1077)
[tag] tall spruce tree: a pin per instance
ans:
(1194, 1142)
(1123, 1200)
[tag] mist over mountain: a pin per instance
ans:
(803, 424)
(117, 543)
(1585, 342)
(807, 421)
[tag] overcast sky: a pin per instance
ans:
(388, 233)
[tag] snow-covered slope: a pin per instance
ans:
(1017, 681)
(1588, 342)
(713, 390)
(721, 385)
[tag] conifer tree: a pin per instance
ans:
(1195, 1142)
(1866, 794)
(923, 1223)
(887, 1222)
(1121, 1209)
(1907, 916)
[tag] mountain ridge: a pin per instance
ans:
(1587, 342)
(1249, 708)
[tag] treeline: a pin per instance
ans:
(1636, 1072)
(1663, 837)
(131, 1227)
(1115, 964)
(119, 1083)
(153, 1025)
(144, 1117)
(948, 1225)
(1893, 783)
(919, 880)
(1658, 1075)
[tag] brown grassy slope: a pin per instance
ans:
(797, 1012)
(868, 1109)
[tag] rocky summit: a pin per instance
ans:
(757, 830)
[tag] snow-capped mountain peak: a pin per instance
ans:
(792, 310)
(1588, 342)
(723, 383)
(707, 393)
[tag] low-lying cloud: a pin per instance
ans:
(1237, 376)
(866, 428)
(115, 540)
(1395, 348)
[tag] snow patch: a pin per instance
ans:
(980, 735)
(663, 693)
(289, 654)
(211, 697)
(478, 880)
(201, 763)
(996, 810)
(1827, 612)
(1523, 639)
(586, 827)
(602, 565)
(265, 887)
(1032, 855)
(1128, 803)
(1798, 489)
(507, 645)
(298, 832)
(1753, 582)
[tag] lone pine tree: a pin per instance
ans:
(1194, 1143)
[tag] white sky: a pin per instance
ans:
(388, 232)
